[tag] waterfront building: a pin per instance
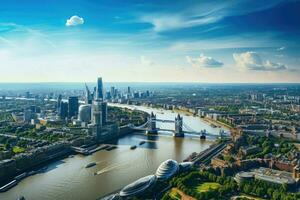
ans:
(167, 170)
(84, 114)
(100, 128)
(96, 112)
(96, 118)
(73, 106)
(138, 187)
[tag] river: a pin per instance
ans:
(69, 179)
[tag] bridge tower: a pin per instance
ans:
(151, 124)
(203, 135)
(178, 126)
(221, 134)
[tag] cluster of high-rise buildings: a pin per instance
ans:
(92, 114)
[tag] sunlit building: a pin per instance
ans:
(138, 187)
(167, 170)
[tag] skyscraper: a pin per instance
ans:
(73, 106)
(97, 118)
(97, 112)
(112, 92)
(59, 98)
(104, 112)
(88, 95)
(129, 90)
(63, 111)
(99, 89)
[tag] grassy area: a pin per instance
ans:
(174, 195)
(17, 149)
(204, 187)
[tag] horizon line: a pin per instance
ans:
(150, 82)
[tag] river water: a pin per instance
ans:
(69, 179)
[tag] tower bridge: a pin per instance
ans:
(180, 128)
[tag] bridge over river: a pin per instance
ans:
(180, 128)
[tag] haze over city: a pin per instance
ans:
(150, 41)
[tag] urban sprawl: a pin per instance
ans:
(257, 157)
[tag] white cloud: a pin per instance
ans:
(146, 61)
(281, 49)
(171, 22)
(202, 13)
(253, 61)
(74, 21)
(204, 61)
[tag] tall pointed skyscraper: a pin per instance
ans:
(88, 95)
(99, 89)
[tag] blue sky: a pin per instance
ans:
(150, 41)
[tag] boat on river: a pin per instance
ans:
(213, 125)
(111, 148)
(133, 147)
(90, 165)
(142, 142)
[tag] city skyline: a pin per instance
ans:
(140, 41)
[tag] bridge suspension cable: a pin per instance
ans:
(189, 129)
(141, 126)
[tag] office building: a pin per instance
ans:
(84, 114)
(112, 92)
(97, 118)
(99, 89)
(63, 111)
(104, 112)
(27, 115)
(88, 95)
(167, 170)
(58, 102)
(128, 90)
(73, 107)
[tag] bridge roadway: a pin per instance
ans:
(170, 130)
(165, 120)
(206, 155)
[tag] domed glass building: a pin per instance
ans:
(167, 170)
(138, 187)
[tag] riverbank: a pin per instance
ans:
(208, 120)
(217, 123)
(180, 111)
